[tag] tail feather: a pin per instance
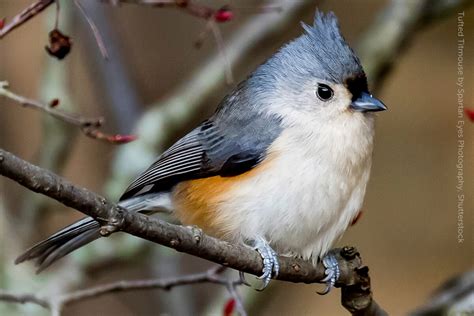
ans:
(61, 243)
(86, 230)
(71, 245)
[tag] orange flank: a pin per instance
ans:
(199, 202)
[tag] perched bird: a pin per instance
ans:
(282, 165)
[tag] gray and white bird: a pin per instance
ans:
(282, 164)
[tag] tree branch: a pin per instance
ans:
(89, 126)
(354, 277)
(29, 12)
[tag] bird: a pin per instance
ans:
(281, 166)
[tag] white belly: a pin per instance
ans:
(310, 194)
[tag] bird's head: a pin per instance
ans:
(317, 75)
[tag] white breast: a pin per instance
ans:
(312, 190)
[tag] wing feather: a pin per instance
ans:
(230, 143)
(184, 157)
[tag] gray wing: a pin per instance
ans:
(206, 151)
(234, 140)
(181, 159)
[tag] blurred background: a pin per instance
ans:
(158, 85)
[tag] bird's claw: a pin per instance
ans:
(242, 279)
(332, 272)
(271, 266)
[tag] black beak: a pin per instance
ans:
(367, 103)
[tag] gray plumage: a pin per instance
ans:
(321, 52)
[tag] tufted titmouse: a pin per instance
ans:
(282, 164)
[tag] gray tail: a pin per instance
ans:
(85, 231)
(60, 244)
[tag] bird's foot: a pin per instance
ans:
(332, 272)
(271, 266)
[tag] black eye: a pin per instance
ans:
(324, 92)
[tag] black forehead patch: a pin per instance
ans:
(356, 85)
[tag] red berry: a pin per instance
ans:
(229, 307)
(122, 139)
(223, 15)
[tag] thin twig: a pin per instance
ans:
(259, 9)
(212, 27)
(29, 12)
(212, 275)
(73, 119)
(188, 6)
(58, 11)
(221, 46)
(23, 299)
(95, 30)
(57, 303)
(89, 126)
(232, 289)
(202, 36)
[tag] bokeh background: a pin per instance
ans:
(407, 236)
